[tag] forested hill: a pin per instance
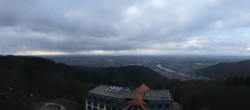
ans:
(131, 76)
(32, 66)
(225, 70)
(32, 79)
(27, 82)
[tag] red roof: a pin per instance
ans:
(138, 98)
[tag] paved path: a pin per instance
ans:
(52, 106)
(177, 106)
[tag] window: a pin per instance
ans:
(119, 103)
(113, 108)
(108, 108)
(101, 106)
(89, 102)
(166, 105)
(152, 106)
(108, 101)
(94, 98)
(159, 105)
(95, 104)
(89, 108)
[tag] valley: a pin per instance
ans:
(172, 67)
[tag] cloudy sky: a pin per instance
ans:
(124, 27)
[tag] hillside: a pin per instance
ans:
(27, 81)
(224, 70)
(130, 76)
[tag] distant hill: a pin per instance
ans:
(224, 70)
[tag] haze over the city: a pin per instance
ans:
(124, 27)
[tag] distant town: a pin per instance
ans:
(173, 67)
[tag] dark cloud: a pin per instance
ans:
(124, 27)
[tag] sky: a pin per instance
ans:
(124, 27)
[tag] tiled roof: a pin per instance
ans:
(138, 97)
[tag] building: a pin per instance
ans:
(106, 97)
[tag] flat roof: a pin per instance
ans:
(157, 95)
(120, 93)
(101, 90)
